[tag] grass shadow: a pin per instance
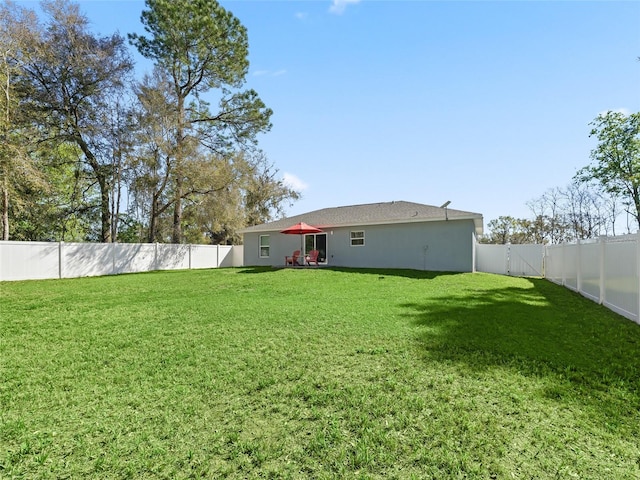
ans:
(253, 270)
(394, 272)
(540, 329)
(380, 272)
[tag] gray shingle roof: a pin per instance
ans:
(370, 214)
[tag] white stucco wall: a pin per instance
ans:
(439, 246)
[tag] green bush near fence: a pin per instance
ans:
(314, 373)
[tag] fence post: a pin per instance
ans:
(603, 249)
(473, 252)
(638, 274)
(189, 256)
(564, 268)
(60, 259)
(579, 266)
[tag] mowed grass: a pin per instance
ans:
(314, 373)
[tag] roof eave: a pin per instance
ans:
(477, 220)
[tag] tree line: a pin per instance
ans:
(90, 153)
(598, 196)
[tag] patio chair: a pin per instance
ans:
(293, 259)
(312, 257)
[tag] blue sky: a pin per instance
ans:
(483, 103)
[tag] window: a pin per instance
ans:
(357, 239)
(264, 246)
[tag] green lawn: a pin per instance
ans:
(314, 373)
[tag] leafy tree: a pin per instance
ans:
(254, 196)
(70, 141)
(264, 194)
(58, 212)
(153, 162)
(18, 169)
(220, 193)
(73, 76)
(202, 172)
(117, 146)
(501, 230)
(507, 229)
(616, 158)
(202, 47)
(220, 216)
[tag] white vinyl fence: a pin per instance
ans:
(42, 260)
(517, 260)
(605, 270)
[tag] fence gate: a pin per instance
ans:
(515, 260)
(526, 260)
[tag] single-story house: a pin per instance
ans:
(378, 235)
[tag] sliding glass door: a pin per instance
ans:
(316, 241)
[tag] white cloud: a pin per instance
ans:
(301, 15)
(291, 181)
(338, 6)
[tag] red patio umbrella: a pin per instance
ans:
(300, 229)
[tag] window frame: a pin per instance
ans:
(262, 247)
(356, 238)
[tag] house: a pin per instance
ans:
(378, 235)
